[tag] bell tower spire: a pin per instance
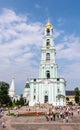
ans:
(48, 66)
(48, 33)
(12, 89)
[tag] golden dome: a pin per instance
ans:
(48, 25)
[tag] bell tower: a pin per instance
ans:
(48, 88)
(12, 89)
(48, 66)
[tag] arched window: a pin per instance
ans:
(34, 97)
(48, 42)
(48, 32)
(58, 90)
(48, 74)
(47, 56)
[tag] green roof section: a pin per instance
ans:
(27, 85)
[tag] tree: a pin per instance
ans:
(17, 102)
(70, 103)
(21, 101)
(67, 99)
(77, 95)
(4, 97)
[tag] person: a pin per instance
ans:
(54, 116)
(3, 124)
(66, 118)
(78, 111)
(72, 114)
(8, 111)
(17, 113)
(47, 116)
(51, 117)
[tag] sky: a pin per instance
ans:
(22, 24)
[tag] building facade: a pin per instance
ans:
(48, 88)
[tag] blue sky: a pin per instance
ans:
(22, 25)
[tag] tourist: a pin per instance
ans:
(78, 111)
(66, 118)
(54, 116)
(51, 117)
(3, 124)
(17, 113)
(47, 116)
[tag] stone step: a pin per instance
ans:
(66, 128)
(42, 129)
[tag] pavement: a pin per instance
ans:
(40, 123)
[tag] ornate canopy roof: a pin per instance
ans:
(48, 25)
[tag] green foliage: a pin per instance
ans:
(29, 114)
(67, 98)
(4, 97)
(70, 103)
(77, 95)
(11, 114)
(17, 103)
(79, 103)
(20, 102)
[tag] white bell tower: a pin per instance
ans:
(48, 66)
(12, 89)
(48, 88)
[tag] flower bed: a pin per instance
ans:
(31, 114)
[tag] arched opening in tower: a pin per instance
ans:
(48, 57)
(48, 32)
(48, 42)
(48, 74)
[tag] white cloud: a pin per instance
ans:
(9, 16)
(57, 33)
(20, 43)
(71, 72)
(17, 36)
(69, 48)
(37, 6)
(60, 21)
(68, 52)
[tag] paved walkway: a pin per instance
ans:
(8, 125)
(66, 128)
(36, 123)
(40, 123)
